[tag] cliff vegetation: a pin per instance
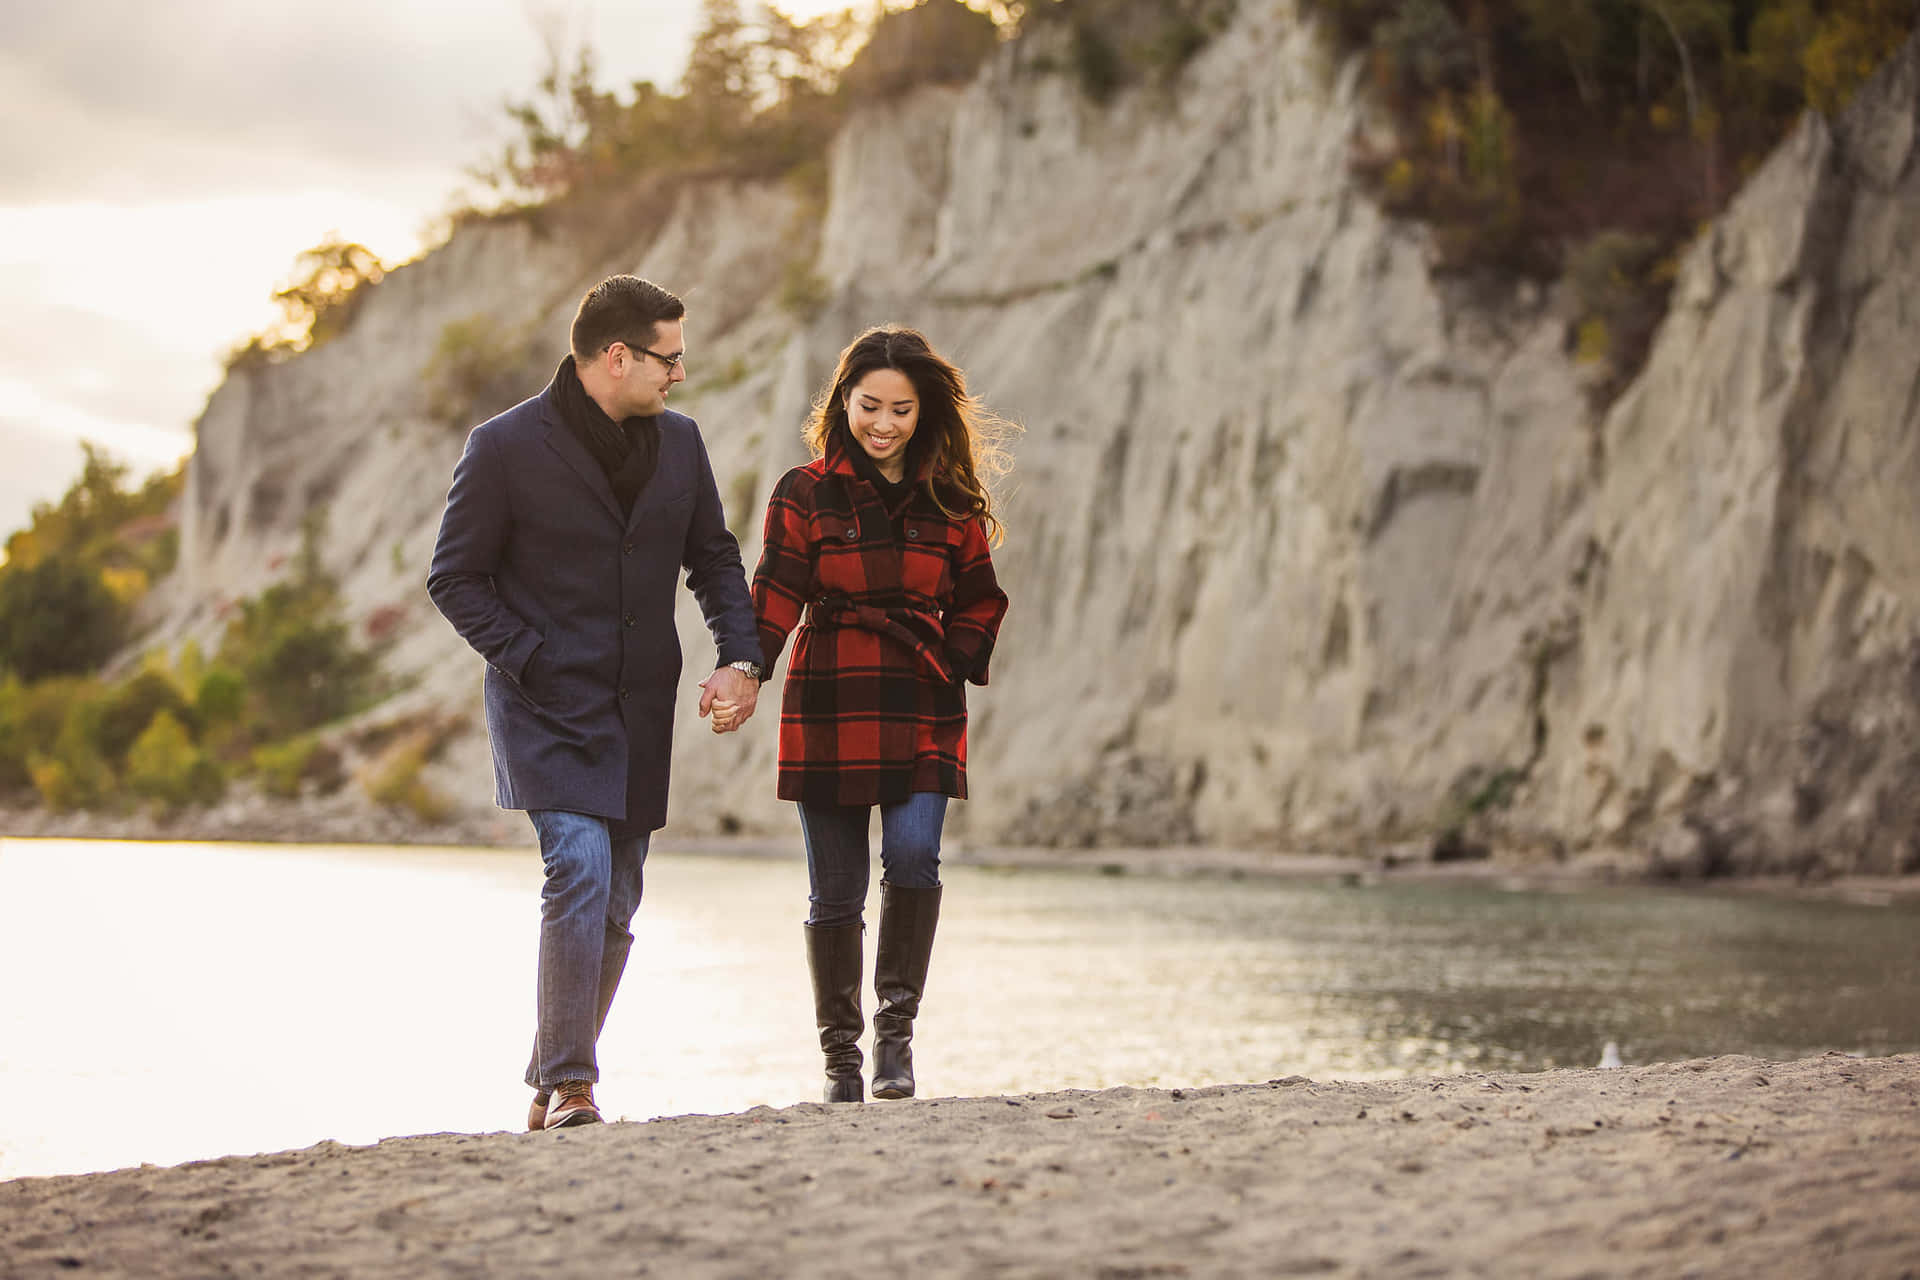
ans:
(1594, 138)
(82, 729)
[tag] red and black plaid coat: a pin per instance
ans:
(899, 616)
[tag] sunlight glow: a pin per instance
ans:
(193, 267)
(118, 317)
(144, 445)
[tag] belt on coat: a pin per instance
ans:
(921, 632)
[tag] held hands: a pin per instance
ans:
(729, 695)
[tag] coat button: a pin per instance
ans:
(632, 621)
(852, 534)
(627, 550)
(623, 693)
(913, 534)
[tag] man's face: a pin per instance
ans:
(644, 380)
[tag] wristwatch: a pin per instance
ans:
(752, 669)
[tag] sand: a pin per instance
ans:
(1726, 1166)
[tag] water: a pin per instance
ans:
(170, 1002)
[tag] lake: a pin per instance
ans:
(172, 1002)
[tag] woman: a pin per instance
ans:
(883, 541)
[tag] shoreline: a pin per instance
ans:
(1597, 870)
(1731, 1165)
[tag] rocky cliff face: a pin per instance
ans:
(1746, 676)
(1304, 551)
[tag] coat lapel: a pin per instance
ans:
(877, 549)
(665, 482)
(562, 442)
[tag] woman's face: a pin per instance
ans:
(882, 411)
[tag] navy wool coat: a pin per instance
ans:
(571, 604)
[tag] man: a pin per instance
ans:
(569, 517)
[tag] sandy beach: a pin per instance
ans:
(1727, 1166)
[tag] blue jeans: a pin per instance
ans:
(837, 861)
(591, 892)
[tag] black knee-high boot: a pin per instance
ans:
(833, 958)
(907, 921)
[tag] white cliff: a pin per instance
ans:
(1304, 550)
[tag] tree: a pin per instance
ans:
(85, 518)
(292, 649)
(127, 709)
(1850, 44)
(323, 293)
(934, 42)
(164, 766)
(1578, 30)
(549, 157)
(327, 287)
(1426, 44)
(56, 618)
(722, 79)
(1684, 20)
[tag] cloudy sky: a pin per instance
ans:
(161, 165)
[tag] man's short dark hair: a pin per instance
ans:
(621, 309)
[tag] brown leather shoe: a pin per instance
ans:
(572, 1104)
(537, 1113)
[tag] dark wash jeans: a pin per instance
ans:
(838, 865)
(591, 891)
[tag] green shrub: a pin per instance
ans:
(394, 779)
(73, 774)
(1111, 44)
(128, 709)
(101, 521)
(803, 293)
(1489, 145)
(60, 790)
(478, 368)
(1175, 44)
(221, 697)
(280, 766)
(295, 653)
(283, 767)
(165, 767)
(164, 553)
(1101, 70)
(1848, 47)
(1593, 341)
(304, 673)
(934, 42)
(40, 712)
(56, 618)
(1619, 282)
(1424, 45)
(732, 374)
(742, 519)
(14, 743)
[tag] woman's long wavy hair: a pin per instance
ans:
(958, 445)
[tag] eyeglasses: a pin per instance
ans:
(672, 362)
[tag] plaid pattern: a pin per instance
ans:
(874, 706)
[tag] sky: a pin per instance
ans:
(162, 164)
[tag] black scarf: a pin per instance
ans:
(627, 451)
(894, 494)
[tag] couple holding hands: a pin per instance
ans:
(570, 517)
